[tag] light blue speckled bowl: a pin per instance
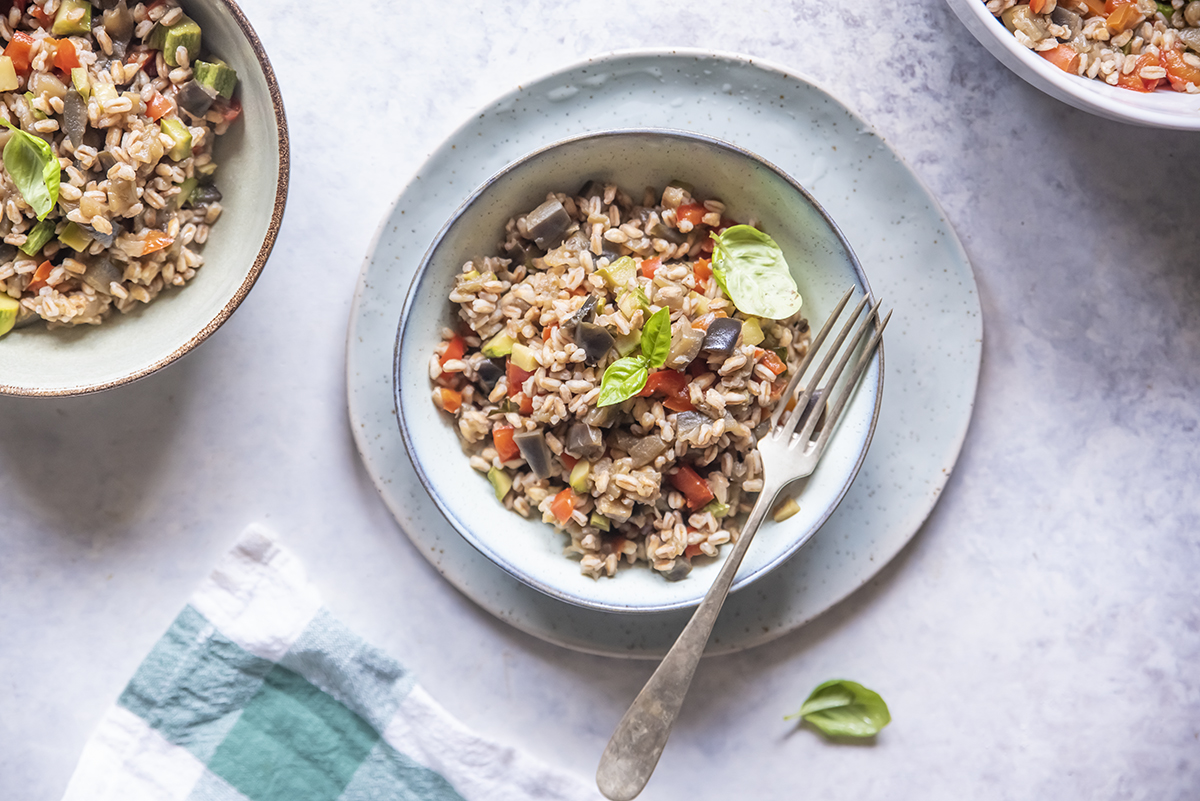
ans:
(823, 266)
(253, 177)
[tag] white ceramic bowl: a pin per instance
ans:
(1165, 108)
(532, 551)
(253, 177)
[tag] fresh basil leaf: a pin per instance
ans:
(751, 270)
(656, 338)
(33, 168)
(623, 379)
(841, 708)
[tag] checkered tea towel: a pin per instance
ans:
(257, 693)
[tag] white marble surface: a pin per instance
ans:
(1039, 638)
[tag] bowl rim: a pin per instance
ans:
(260, 260)
(411, 298)
(1080, 89)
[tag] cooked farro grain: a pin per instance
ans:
(663, 476)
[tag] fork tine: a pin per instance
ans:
(793, 419)
(835, 410)
(813, 347)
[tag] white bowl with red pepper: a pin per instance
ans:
(590, 349)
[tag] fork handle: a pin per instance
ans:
(638, 742)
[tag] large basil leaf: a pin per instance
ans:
(841, 708)
(751, 270)
(623, 379)
(33, 168)
(656, 338)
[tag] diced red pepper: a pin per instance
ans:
(673, 386)
(1064, 57)
(692, 551)
(563, 505)
(1132, 80)
(1179, 72)
(1095, 7)
(692, 485)
(771, 359)
(44, 19)
(693, 213)
(65, 56)
(703, 271)
(229, 111)
(39, 277)
(155, 240)
(159, 106)
(648, 266)
(18, 50)
(516, 377)
(525, 403)
(454, 350)
(1122, 15)
(1036, 6)
(502, 439)
(451, 400)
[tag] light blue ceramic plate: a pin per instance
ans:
(528, 549)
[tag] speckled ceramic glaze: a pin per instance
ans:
(253, 176)
(530, 550)
(895, 228)
(1161, 109)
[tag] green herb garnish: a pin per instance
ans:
(751, 270)
(33, 168)
(625, 377)
(841, 708)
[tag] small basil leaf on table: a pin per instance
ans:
(656, 338)
(623, 379)
(33, 168)
(841, 708)
(751, 270)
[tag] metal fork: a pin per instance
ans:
(787, 454)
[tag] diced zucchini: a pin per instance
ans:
(751, 331)
(184, 33)
(37, 115)
(498, 346)
(785, 510)
(619, 273)
(471, 276)
(8, 75)
(75, 237)
(8, 313)
(599, 521)
(38, 237)
(206, 170)
(221, 78)
(180, 136)
(699, 304)
(79, 79)
(717, 508)
(579, 476)
(105, 92)
(522, 356)
(74, 18)
(185, 192)
(501, 482)
(628, 343)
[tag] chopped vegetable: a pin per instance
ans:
(498, 346)
(548, 224)
(9, 307)
(32, 166)
(38, 237)
(722, 336)
(195, 98)
(716, 508)
(579, 476)
(18, 50)
(785, 510)
(594, 340)
(685, 345)
(523, 357)
(66, 58)
(692, 214)
(649, 266)
(74, 237)
(447, 399)
(155, 240)
(489, 373)
(625, 377)
(502, 439)
(752, 271)
(619, 273)
(184, 33)
(1179, 72)
(455, 349)
(584, 441)
(179, 135)
(563, 505)
(39, 277)
(8, 75)
(693, 486)
(601, 522)
(841, 708)
(771, 361)
(219, 77)
(501, 483)
(703, 271)
(535, 451)
(751, 331)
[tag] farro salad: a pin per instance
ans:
(108, 113)
(615, 365)
(1135, 44)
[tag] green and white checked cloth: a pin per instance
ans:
(257, 693)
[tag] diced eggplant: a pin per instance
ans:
(102, 273)
(690, 421)
(646, 450)
(195, 98)
(536, 452)
(586, 312)
(522, 251)
(685, 345)
(107, 159)
(548, 224)
(679, 570)
(584, 441)
(602, 416)
(118, 22)
(1068, 19)
(661, 230)
(7, 252)
(105, 239)
(591, 189)
(722, 336)
(75, 117)
(489, 372)
(594, 340)
(203, 195)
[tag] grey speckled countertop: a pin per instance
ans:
(1040, 637)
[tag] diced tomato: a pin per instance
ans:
(155, 240)
(502, 439)
(1064, 57)
(563, 505)
(1112, 5)
(1095, 7)
(1037, 6)
(703, 271)
(18, 50)
(454, 350)
(44, 19)
(451, 400)
(1133, 80)
(516, 377)
(692, 551)
(1179, 72)
(673, 386)
(568, 460)
(39, 277)
(771, 359)
(65, 56)
(692, 213)
(648, 266)
(142, 59)
(692, 485)
(159, 106)
(229, 111)
(1122, 17)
